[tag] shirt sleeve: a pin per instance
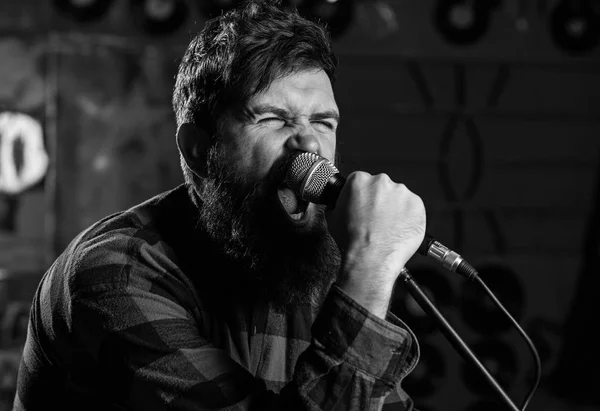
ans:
(368, 356)
(141, 348)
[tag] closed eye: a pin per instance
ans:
(270, 119)
(326, 124)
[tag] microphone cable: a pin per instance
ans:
(537, 362)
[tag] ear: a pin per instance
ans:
(193, 143)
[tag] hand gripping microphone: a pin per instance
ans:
(315, 179)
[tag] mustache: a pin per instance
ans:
(247, 193)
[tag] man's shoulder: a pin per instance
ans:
(138, 241)
(144, 223)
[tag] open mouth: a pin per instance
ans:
(294, 207)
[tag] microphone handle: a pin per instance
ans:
(332, 190)
(425, 245)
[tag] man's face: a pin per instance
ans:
(281, 240)
(297, 112)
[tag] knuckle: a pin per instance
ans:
(402, 189)
(417, 203)
(384, 178)
(417, 199)
(358, 177)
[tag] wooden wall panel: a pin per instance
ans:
(116, 130)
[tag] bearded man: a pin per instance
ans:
(230, 292)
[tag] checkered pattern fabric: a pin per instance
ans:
(129, 317)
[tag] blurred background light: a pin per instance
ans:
(83, 10)
(573, 26)
(159, 16)
(463, 21)
(376, 18)
(23, 157)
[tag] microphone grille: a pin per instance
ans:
(298, 167)
(308, 174)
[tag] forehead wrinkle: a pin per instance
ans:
(295, 96)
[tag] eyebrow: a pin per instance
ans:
(267, 108)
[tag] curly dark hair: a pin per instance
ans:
(238, 54)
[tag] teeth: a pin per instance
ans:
(297, 216)
(290, 202)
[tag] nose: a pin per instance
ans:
(303, 140)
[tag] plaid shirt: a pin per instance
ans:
(128, 318)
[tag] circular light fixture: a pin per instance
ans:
(159, 16)
(574, 27)
(83, 10)
(463, 21)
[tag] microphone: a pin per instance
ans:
(315, 179)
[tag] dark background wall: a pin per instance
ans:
(499, 137)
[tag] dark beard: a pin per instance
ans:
(268, 259)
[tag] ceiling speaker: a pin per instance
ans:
(463, 22)
(574, 26)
